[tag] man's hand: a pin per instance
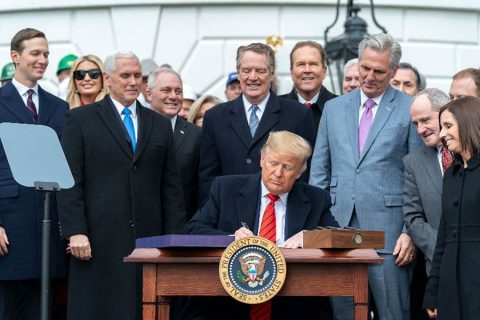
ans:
(243, 233)
(294, 242)
(80, 247)
(432, 312)
(405, 249)
(3, 242)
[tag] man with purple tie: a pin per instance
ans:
(362, 139)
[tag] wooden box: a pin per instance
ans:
(343, 239)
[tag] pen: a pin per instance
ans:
(245, 225)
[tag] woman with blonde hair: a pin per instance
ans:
(200, 106)
(86, 84)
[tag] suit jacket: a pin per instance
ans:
(422, 199)
(236, 199)
(21, 208)
(317, 107)
(186, 137)
(118, 196)
(373, 181)
(227, 146)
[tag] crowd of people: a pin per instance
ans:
(149, 157)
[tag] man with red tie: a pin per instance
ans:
(422, 196)
(308, 69)
(22, 100)
(274, 205)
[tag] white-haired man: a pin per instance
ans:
(126, 186)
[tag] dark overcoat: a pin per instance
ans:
(227, 146)
(118, 196)
(317, 107)
(21, 208)
(454, 283)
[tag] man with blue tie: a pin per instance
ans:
(22, 100)
(362, 139)
(233, 132)
(127, 186)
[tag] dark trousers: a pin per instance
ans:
(417, 290)
(20, 300)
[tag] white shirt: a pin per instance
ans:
(23, 92)
(312, 101)
(173, 120)
(133, 115)
(280, 212)
(364, 98)
(261, 107)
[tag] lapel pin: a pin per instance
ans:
(181, 131)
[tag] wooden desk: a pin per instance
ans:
(194, 272)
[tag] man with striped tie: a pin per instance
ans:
(22, 100)
(273, 205)
(233, 132)
(126, 187)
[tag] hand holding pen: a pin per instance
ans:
(243, 232)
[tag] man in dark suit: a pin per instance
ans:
(126, 186)
(422, 196)
(308, 69)
(233, 132)
(245, 198)
(22, 100)
(165, 95)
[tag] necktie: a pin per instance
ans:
(31, 106)
(307, 104)
(253, 121)
(268, 230)
(365, 124)
(128, 122)
(447, 158)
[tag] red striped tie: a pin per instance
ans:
(31, 105)
(268, 230)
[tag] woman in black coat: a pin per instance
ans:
(453, 288)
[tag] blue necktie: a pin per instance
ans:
(128, 122)
(253, 121)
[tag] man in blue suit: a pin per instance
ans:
(21, 209)
(233, 132)
(362, 139)
(241, 199)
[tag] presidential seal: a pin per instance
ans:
(252, 270)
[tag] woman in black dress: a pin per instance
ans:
(453, 289)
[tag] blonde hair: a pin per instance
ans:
(289, 143)
(73, 97)
(196, 106)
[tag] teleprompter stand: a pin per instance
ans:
(36, 159)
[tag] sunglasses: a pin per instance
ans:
(92, 73)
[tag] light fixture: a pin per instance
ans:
(345, 47)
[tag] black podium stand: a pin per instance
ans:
(36, 159)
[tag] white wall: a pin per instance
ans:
(200, 38)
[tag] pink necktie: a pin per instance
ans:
(365, 124)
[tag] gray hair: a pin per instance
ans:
(349, 63)
(259, 48)
(152, 78)
(382, 42)
(110, 62)
(437, 98)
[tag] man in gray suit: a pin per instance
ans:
(423, 189)
(362, 139)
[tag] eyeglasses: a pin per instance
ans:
(92, 73)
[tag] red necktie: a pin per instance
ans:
(447, 158)
(268, 230)
(31, 106)
(308, 104)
